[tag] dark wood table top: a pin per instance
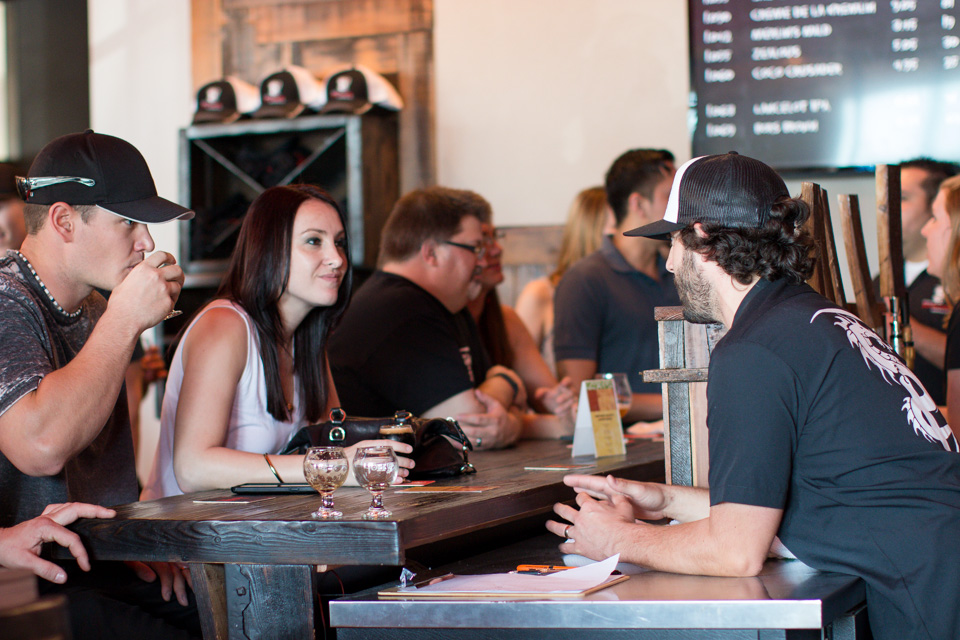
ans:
(278, 529)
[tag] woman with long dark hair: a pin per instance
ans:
(251, 368)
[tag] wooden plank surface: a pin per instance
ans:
(889, 231)
(279, 529)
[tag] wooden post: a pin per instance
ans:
(866, 301)
(833, 262)
(684, 358)
(889, 231)
(810, 193)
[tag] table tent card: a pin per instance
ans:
(598, 430)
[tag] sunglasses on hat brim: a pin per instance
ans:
(25, 186)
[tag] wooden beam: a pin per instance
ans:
(890, 231)
(833, 262)
(866, 300)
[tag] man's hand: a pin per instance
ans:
(149, 292)
(494, 429)
(649, 500)
(174, 578)
(20, 545)
(558, 400)
(598, 530)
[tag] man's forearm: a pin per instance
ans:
(645, 406)
(46, 428)
(690, 548)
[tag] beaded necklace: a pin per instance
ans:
(56, 305)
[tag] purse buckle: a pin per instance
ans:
(338, 434)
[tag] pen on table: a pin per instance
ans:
(541, 568)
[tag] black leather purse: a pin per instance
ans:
(439, 445)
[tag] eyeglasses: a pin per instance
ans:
(476, 249)
(25, 186)
(493, 237)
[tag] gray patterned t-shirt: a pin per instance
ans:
(36, 339)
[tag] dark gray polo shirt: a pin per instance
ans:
(604, 312)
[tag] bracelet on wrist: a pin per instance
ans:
(273, 469)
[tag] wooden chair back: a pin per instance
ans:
(826, 278)
(685, 350)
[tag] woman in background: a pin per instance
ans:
(508, 343)
(942, 232)
(588, 220)
(251, 368)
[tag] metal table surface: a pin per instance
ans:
(784, 599)
(252, 563)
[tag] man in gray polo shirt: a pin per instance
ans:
(604, 303)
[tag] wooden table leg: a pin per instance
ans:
(208, 587)
(269, 601)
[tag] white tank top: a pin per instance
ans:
(251, 427)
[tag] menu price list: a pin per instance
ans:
(826, 84)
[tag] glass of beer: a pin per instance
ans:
(376, 469)
(621, 389)
(325, 468)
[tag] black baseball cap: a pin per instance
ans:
(728, 189)
(357, 89)
(96, 169)
(288, 93)
(225, 101)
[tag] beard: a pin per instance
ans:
(696, 294)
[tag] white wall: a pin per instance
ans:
(140, 85)
(141, 91)
(535, 98)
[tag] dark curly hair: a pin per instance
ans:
(781, 248)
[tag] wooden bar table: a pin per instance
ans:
(253, 558)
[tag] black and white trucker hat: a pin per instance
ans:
(729, 189)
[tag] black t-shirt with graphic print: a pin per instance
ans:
(398, 347)
(811, 413)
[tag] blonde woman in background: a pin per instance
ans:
(942, 232)
(588, 220)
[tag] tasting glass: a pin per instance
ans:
(325, 468)
(375, 469)
(621, 389)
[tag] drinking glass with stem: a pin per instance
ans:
(325, 468)
(621, 389)
(376, 469)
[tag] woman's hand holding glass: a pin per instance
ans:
(375, 469)
(401, 450)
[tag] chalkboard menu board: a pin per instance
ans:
(808, 85)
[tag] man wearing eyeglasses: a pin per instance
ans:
(405, 341)
(64, 425)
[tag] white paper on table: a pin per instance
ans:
(566, 581)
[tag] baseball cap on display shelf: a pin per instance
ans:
(96, 169)
(357, 89)
(288, 93)
(226, 100)
(729, 190)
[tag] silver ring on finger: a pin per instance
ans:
(566, 530)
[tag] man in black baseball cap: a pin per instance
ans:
(64, 425)
(819, 434)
